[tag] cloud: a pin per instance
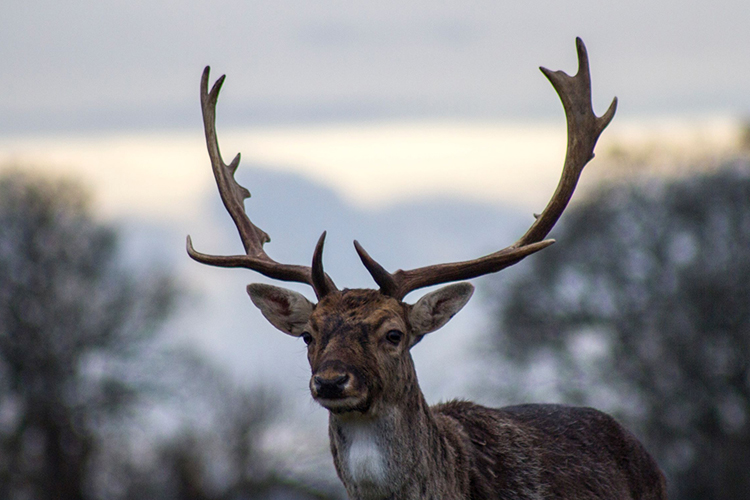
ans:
(136, 64)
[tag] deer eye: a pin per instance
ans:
(307, 338)
(394, 337)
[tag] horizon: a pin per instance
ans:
(165, 175)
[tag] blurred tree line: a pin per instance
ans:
(642, 309)
(82, 366)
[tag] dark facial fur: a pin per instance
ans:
(360, 338)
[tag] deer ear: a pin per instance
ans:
(436, 308)
(285, 309)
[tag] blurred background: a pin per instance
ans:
(425, 131)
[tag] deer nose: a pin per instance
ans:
(330, 386)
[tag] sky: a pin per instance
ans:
(91, 65)
(384, 101)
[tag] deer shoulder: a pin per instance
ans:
(552, 451)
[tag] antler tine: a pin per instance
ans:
(383, 278)
(233, 196)
(320, 281)
(584, 129)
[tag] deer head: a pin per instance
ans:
(359, 340)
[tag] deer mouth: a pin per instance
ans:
(344, 404)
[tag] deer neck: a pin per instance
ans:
(389, 452)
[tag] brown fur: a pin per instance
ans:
(387, 443)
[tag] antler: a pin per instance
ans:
(233, 196)
(584, 129)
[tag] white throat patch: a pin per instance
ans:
(364, 457)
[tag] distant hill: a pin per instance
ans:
(218, 314)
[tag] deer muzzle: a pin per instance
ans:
(337, 390)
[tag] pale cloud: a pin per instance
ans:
(168, 176)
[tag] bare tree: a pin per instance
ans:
(80, 365)
(644, 308)
(70, 320)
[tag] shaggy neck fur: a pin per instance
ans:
(392, 453)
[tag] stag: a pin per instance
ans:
(386, 441)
